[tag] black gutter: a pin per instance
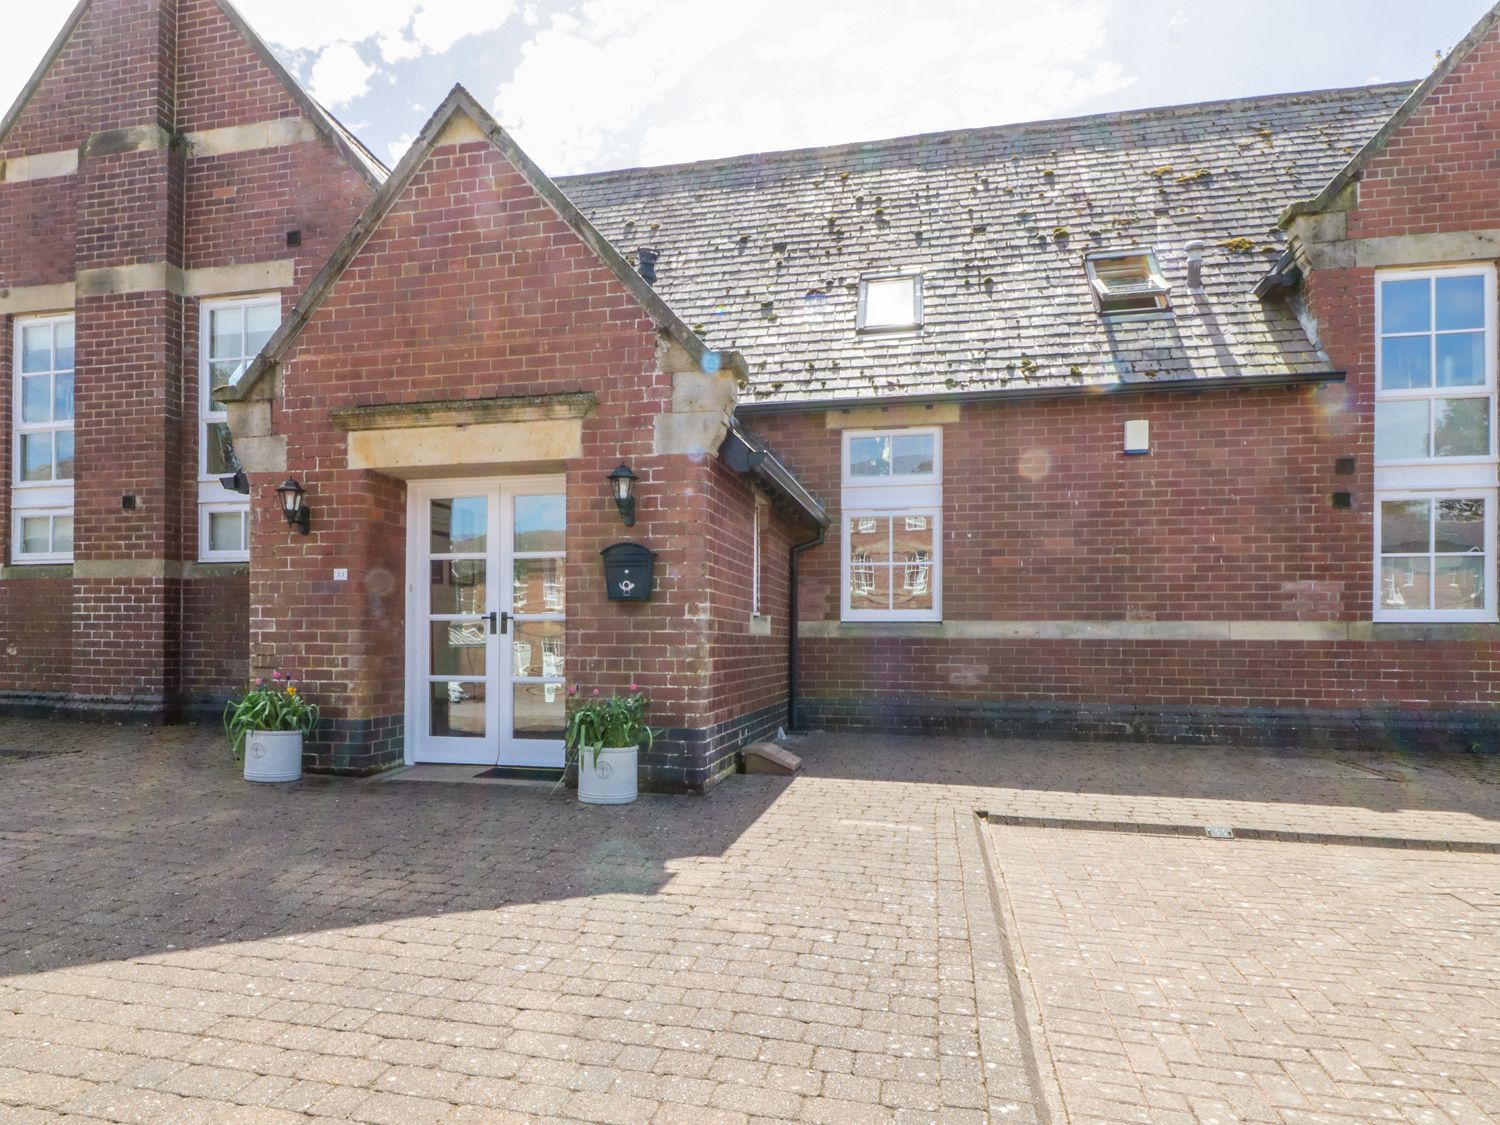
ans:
(745, 453)
(1020, 394)
(791, 620)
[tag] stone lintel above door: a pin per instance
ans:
(422, 438)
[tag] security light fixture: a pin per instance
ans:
(622, 483)
(236, 482)
(297, 513)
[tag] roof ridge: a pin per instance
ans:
(912, 139)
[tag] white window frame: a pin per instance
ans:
(1488, 612)
(914, 325)
(897, 497)
(1429, 394)
(212, 495)
(50, 498)
(895, 480)
(1438, 478)
(42, 557)
(206, 510)
(1154, 286)
(897, 568)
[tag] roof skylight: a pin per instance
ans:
(890, 304)
(1127, 283)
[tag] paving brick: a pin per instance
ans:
(438, 937)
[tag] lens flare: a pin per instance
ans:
(1034, 464)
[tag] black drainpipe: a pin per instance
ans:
(791, 640)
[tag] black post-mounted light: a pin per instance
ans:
(297, 513)
(622, 482)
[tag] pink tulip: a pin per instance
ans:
(573, 690)
(596, 691)
(260, 681)
(634, 686)
(275, 675)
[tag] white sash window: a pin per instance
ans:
(231, 334)
(42, 467)
(892, 520)
(1435, 449)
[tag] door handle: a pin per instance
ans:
(503, 625)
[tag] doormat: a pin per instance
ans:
(522, 773)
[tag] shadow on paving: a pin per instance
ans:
(1380, 779)
(150, 841)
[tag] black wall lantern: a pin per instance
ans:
(622, 481)
(296, 512)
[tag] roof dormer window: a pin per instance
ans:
(890, 304)
(1127, 283)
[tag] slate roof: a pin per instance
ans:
(763, 253)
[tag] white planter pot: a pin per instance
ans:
(612, 780)
(273, 755)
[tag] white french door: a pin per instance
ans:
(486, 608)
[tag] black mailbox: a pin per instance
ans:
(627, 572)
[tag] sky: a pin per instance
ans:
(586, 85)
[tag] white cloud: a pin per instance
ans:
(340, 75)
(620, 82)
(403, 29)
(398, 30)
(437, 26)
(397, 149)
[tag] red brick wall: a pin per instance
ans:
(215, 637)
(749, 671)
(178, 65)
(241, 206)
(37, 224)
(1228, 518)
(36, 622)
(1438, 170)
(221, 80)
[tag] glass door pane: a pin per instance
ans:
(457, 633)
(537, 648)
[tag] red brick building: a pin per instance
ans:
(1177, 424)
(166, 189)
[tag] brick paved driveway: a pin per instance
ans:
(178, 946)
(1187, 980)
